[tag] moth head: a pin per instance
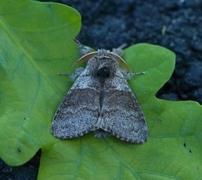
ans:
(103, 63)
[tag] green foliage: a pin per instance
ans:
(36, 42)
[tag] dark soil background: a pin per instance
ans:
(174, 24)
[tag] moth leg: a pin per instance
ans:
(82, 49)
(131, 75)
(128, 75)
(119, 50)
(76, 73)
(73, 76)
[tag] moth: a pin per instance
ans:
(101, 100)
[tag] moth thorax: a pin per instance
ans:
(103, 72)
(103, 66)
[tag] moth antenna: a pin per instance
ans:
(122, 46)
(119, 50)
(120, 61)
(83, 49)
(85, 58)
(76, 41)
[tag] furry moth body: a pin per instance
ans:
(100, 100)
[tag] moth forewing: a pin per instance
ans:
(122, 115)
(78, 111)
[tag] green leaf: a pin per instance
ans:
(36, 43)
(172, 150)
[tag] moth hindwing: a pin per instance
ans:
(101, 100)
